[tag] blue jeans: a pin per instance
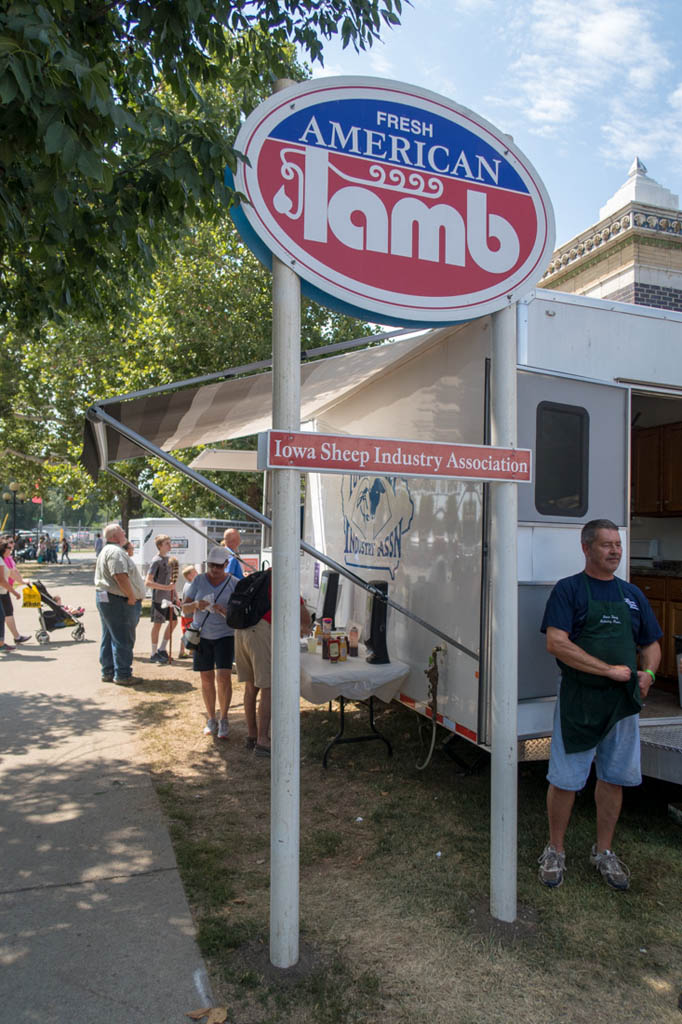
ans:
(119, 620)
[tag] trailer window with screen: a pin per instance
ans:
(561, 460)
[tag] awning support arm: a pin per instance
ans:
(96, 413)
(155, 501)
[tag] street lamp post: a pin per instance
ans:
(12, 496)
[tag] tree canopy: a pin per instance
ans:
(119, 267)
(209, 307)
(111, 139)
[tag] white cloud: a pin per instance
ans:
(327, 70)
(380, 65)
(438, 79)
(576, 53)
(643, 133)
(675, 98)
(470, 6)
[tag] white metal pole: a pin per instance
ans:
(285, 730)
(504, 665)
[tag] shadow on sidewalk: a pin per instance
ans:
(56, 576)
(32, 719)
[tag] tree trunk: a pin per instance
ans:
(131, 503)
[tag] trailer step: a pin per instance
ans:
(662, 751)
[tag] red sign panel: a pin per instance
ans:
(380, 456)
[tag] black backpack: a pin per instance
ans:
(249, 601)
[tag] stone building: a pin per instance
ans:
(632, 254)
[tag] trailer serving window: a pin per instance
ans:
(561, 459)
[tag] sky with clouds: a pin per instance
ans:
(584, 86)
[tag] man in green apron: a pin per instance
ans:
(598, 627)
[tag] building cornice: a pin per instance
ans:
(633, 221)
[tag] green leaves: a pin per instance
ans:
(61, 199)
(208, 306)
(56, 137)
(117, 123)
(90, 164)
(8, 88)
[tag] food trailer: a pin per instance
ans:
(597, 382)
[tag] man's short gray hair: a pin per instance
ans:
(590, 530)
(111, 530)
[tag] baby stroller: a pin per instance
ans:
(27, 553)
(53, 616)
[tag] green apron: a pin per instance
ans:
(591, 705)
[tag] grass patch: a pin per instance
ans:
(320, 844)
(395, 882)
(216, 937)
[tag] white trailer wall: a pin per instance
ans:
(607, 341)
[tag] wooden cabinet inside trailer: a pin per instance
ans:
(657, 470)
(664, 594)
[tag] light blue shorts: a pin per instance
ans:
(617, 757)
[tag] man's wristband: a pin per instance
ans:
(652, 674)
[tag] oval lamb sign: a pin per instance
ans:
(392, 201)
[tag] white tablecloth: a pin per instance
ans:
(354, 679)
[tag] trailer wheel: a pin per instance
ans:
(79, 632)
(42, 636)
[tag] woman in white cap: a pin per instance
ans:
(206, 600)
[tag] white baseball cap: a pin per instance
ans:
(218, 556)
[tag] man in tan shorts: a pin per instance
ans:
(252, 653)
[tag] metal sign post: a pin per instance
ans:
(504, 660)
(285, 729)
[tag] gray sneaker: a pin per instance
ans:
(211, 727)
(223, 729)
(552, 867)
(612, 870)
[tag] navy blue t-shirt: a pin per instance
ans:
(567, 607)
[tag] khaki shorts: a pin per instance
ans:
(252, 654)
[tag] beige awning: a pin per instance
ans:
(226, 459)
(238, 407)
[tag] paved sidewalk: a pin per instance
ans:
(94, 924)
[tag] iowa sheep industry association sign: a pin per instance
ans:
(391, 201)
(347, 453)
